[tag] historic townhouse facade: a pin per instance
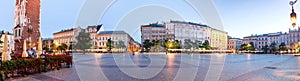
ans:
(234, 43)
(153, 31)
(66, 36)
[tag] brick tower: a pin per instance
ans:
(27, 24)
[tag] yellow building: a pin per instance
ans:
(218, 39)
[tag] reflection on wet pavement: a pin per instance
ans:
(223, 67)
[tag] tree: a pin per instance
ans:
(197, 44)
(282, 47)
(176, 45)
(273, 47)
(83, 41)
(188, 44)
(109, 44)
(265, 48)
(46, 48)
(147, 44)
(71, 46)
(243, 47)
(206, 45)
(63, 47)
(251, 46)
(157, 46)
(120, 44)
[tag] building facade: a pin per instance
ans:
(93, 31)
(234, 43)
(183, 31)
(10, 41)
(153, 31)
(66, 36)
(48, 42)
(262, 40)
(118, 38)
(26, 24)
(178, 30)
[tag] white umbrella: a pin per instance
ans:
(39, 47)
(24, 53)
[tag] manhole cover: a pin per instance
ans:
(271, 67)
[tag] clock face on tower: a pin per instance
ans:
(26, 24)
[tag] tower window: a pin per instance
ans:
(28, 20)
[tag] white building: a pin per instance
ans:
(10, 41)
(177, 30)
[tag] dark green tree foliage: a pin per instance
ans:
(273, 47)
(83, 41)
(147, 44)
(206, 45)
(46, 48)
(282, 47)
(109, 44)
(265, 48)
(63, 47)
(251, 47)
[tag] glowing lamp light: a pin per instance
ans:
(293, 18)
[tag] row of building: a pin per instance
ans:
(290, 39)
(97, 34)
(181, 31)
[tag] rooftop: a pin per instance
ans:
(154, 25)
(3, 32)
(112, 32)
(191, 23)
(47, 38)
(96, 26)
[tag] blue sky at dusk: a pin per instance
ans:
(239, 17)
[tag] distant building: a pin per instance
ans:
(26, 24)
(294, 36)
(48, 42)
(10, 41)
(93, 31)
(116, 36)
(182, 31)
(234, 43)
(66, 36)
(153, 31)
(262, 40)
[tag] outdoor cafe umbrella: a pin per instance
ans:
(24, 53)
(4, 49)
(39, 47)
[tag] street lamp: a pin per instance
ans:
(293, 14)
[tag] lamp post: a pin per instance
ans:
(293, 14)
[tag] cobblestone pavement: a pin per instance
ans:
(246, 67)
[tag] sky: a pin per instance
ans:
(240, 18)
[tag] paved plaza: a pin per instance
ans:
(175, 67)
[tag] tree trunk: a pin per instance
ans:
(84, 51)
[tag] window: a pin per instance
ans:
(28, 20)
(19, 32)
